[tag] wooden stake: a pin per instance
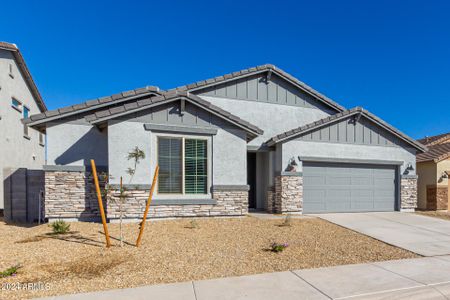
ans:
(100, 203)
(149, 201)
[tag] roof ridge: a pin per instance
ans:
(358, 109)
(92, 103)
(253, 70)
(26, 73)
(167, 97)
(435, 139)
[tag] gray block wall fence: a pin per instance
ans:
(24, 195)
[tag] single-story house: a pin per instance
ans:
(433, 168)
(254, 139)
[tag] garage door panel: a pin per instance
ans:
(314, 180)
(338, 180)
(364, 181)
(333, 187)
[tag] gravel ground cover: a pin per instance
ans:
(174, 251)
(441, 214)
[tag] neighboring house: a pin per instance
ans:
(258, 138)
(20, 146)
(433, 168)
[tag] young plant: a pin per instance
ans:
(60, 227)
(193, 224)
(135, 155)
(287, 221)
(11, 271)
(277, 247)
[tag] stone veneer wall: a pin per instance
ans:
(408, 192)
(437, 197)
(270, 198)
(288, 193)
(227, 203)
(70, 194)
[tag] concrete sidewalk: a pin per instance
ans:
(420, 278)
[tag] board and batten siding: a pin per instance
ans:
(349, 131)
(259, 88)
(171, 114)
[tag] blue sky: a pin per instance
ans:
(391, 57)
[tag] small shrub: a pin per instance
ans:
(60, 227)
(287, 221)
(277, 247)
(193, 224)
(11, 271)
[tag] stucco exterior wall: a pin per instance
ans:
(228, 153)
(442, 167)
(75, 144)
(16, 151)
(272, 118)
(427, 176)
(296, 148)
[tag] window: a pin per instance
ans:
(195, 166)
(16, 104)
(183, 166)
(41, 139)
(11, 71)
(26, 112)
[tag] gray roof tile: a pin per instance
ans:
(131, 105)
(167, 96)
(117, 109)
(65, 109)
(356, 110)
(103, 113)
(204, 83)
(91, 104)
(129, 93)
(117, 96)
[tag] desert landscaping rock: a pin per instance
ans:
(173, 251)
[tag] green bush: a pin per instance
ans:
(60, 227)
(278, 247)
(11, 271)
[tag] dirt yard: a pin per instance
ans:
(172, 251)
(437, 214)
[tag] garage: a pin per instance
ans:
(344, 187)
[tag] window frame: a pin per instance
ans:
(183, 194)
(25, 108)
(41, 138)
(19, 107)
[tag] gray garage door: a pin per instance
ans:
(337, 187)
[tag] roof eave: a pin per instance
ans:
(269, 68)
(357, 110)
(26, 73)
(253, 132)
(75, 112)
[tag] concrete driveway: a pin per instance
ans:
(423, 235)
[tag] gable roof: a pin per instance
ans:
(25, 72)
(136, 94)
(437, 139)
(343, 115)
(89, 105)
(436, 153)
(267, 68)
(167, 97)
